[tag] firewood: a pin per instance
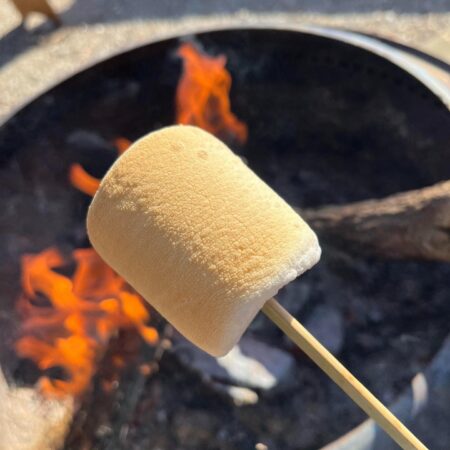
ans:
(30, 422)
(408, 225)
(40, 6)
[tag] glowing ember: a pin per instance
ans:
(203, 95)
(68, 321)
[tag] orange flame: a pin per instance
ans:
(68, 321)
(122, 144)
(82, 180)
(85, 182)
(81, 314)
(203, 95)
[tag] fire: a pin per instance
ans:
(122, 144)
(84, 182)
(202, 96)
(68, 321)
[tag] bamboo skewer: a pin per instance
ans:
(341, 376)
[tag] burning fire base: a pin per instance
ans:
(301, 110)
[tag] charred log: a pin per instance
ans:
(408, 225)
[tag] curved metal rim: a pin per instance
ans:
(391, 54)
(371, 44)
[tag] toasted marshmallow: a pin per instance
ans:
(198, 234)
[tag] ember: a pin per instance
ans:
(202, 97)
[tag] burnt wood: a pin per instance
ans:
(413, 224)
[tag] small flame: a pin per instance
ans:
(122, 144)
(68, 321)
(203, 95)
(84, 182)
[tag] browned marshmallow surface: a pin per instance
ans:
(198, 234)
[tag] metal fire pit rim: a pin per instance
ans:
(352, 38)
(389, 53)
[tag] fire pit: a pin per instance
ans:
(328, 123)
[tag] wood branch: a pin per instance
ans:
(408, 225)
(30, 422)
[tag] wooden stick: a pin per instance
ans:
(341, 376)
